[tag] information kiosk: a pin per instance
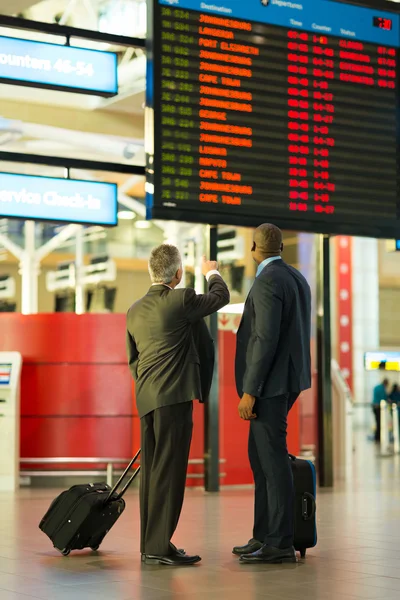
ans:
(10, 376)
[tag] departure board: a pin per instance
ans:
(274, 111)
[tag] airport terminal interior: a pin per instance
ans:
(357, 554)
(125, 124)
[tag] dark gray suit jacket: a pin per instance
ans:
(206, 351)
(166, 342)
(273, 340)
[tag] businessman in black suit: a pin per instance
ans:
(171, 358)
(273, 365)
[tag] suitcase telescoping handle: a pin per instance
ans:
(120, 480)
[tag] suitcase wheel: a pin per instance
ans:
(65, 552)
(95, 548)
(303, 552)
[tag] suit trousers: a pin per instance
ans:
(269, 460)
(166, 436)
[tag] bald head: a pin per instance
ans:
(268, 242)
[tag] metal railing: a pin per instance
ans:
(342, 421)
(386, 448)
(108, 472)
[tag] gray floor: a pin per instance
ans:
(358, 554)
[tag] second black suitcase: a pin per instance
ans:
(305, 487)
(82, 516)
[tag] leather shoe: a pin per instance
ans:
(251, 547)
(174, 550)
(172, 560)
(268, 554)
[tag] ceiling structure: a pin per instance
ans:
(56, 123)
(49, 122)
(14, 7)
(109, 16)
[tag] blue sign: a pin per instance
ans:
(398, 245)
(53, 199)
(320, 16)
(38, 64)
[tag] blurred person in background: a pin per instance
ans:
(171, 359)
(381, 392)
(394, 397)
(395, 394)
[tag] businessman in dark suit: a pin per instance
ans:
(169, 351)
(273, 365)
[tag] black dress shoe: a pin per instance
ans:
(172, 560)
(251, 547)
(268, 554)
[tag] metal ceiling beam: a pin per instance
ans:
(389, 5)
(56, 241)
(14, 7)
(9, 245)
(71, 7)
(70, 32)
(72, 163)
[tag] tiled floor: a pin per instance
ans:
(358, 554)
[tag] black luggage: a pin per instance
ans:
(82, 516)
(305, 486)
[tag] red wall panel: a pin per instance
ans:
(76, 397)
(76, 436)
(82, 389)
(65, 337)
(344, 276)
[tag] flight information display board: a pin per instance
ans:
(274, 110)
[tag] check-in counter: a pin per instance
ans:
(77, 395)
(10, 375)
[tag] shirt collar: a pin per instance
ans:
(164, 284)
(265, 263)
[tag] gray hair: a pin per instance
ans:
(164, 262)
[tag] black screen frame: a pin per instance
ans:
(384, 229)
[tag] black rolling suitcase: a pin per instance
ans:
(305, 487)
(82, 516)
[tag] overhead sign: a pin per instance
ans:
(382, 360)
(52, 66)
(53, 199)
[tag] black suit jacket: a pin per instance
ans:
(273, 339)
(205, 348)
(167, 342)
